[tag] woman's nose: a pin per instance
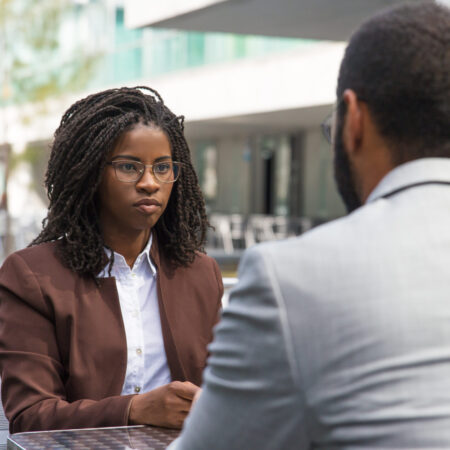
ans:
(148, 181)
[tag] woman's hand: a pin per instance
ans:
(196, 396)
(166, 406)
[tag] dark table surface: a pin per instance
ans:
(136, 437)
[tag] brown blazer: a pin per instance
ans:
(63, 351)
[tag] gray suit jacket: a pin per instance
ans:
(339, 339)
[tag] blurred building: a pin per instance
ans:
(307, 19)
(255, 125)
(253, 104)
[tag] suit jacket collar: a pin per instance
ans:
(410, 173)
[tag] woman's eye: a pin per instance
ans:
(127, 167)
(163, 168)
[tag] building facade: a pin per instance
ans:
(253, 107)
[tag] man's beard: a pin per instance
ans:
(343, 173)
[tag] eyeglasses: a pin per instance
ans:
(327, 126)
(132, 171)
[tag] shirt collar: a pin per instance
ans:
(417, 171)
(145, 254)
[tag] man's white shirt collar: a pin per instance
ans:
(417, 171)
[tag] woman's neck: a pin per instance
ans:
(128, 246)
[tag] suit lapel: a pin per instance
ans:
(110, 296)
(165, 285)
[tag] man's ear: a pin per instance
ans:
(353, 123)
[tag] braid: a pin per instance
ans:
(86, 134)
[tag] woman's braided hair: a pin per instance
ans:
(86, 134)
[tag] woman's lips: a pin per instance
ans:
(148, 209)
(147, 206)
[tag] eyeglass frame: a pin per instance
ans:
(144, 166)
(327, 124)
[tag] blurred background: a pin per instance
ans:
(254, 79)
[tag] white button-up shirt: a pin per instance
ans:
(147, 366)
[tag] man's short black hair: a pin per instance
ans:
(398, 62)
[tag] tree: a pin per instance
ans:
(39, 61)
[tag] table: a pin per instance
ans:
(134, 437)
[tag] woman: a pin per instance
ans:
(105, 318)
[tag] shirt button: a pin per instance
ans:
(137, 389)
(139, 351)
(133, 274)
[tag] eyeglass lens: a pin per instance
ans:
(129, 171)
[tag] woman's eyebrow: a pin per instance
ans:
(134, 158)
(162, 158)
(125, 157)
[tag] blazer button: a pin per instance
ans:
(137, 389)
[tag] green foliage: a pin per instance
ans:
(32, 41)
(36, 155)
(31, 155)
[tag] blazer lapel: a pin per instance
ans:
(165, 280)
(110, 296)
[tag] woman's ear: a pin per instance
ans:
(353, 123)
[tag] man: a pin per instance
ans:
(341, 338)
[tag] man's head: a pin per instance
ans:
(395, 75)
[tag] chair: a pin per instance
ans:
(238, 226)
(261, 227)
(222, 236)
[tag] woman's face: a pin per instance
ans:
(131, 209)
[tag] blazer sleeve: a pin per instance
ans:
(32, 374)
(251, 394)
